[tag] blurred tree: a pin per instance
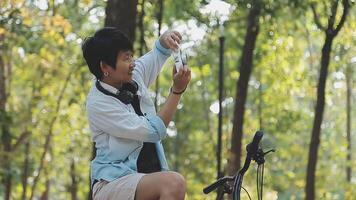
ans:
(331, 31)
(5, 123)
(159, 21)
(122, 14)
(245, 70)
(141, 28)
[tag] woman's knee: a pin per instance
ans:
(174, 185)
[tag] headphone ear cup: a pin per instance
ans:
(125, 96)
(130, 86)
(127, 92)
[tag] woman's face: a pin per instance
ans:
(124, 68)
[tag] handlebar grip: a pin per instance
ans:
(253, 146)
(212, 187)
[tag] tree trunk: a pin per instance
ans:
(319, 110)
(330, 34)
(122, 14)
(142, 28)
(45, 194)
(242, 87)
(74, 186)
(159, 20)
(348, 122)
(4, 124)
(25, 171)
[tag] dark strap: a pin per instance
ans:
(147, 161)
(136, 105)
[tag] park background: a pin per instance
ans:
(288, 69)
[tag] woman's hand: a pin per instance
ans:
(170, 40)
(181, 79)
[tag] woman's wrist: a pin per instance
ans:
(177, 92)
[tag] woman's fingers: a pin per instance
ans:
(172, 43)
(174, 70)
(171, 39)
(186, 70)
(177, 34)
(176, 38)
(186, 73)
(189, 72)
(183, 73)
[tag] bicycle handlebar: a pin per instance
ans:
(252, 149)
(217, 184)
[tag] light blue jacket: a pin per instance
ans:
(117, 130)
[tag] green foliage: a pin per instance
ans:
(42, 49)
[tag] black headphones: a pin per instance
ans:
(126, 93)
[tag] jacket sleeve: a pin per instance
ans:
(118, 121)
(149, 65)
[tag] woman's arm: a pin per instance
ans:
(180, 82)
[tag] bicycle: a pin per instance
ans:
(254, 152)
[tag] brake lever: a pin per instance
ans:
(260, 156)
(269, 151)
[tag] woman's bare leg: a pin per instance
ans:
(161, 186)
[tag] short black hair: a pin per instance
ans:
(104, 46)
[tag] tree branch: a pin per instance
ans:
(21, 140)
(316, 18)
(346, 5)
(332, 17)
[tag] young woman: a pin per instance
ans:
(130, 161)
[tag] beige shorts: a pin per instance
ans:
(123, 188)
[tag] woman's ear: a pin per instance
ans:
(103, 66)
